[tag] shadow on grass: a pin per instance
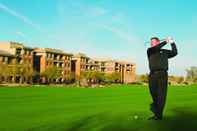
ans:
(87, 123)
(180, 121)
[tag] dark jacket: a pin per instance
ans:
(158, 58)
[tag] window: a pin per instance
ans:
(18, 52)
(55, 57)
(9, 60)
(61, 57)
(68, 58)
(3, 59)
(27, 52)
(61, 64)
(55, 64)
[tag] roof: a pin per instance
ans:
(81, 55)
(5, 53)
(51, 50)
(19, 45)
(125, 62)
(102, 59)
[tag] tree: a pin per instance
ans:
(85, 78)
(70, 77)
(144, 78)
(26, 73)
(180, 79)
(51, 73)
(5, 71)
(14, 70)
(1, 72)
(192, 74)
(113, 77)
(92, 77)
(100, 77)
(175, 79)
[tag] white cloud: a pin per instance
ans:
(130, 38)
(19, 33)
(83, 9)
(96, 11)
(26, 20)
(25, 38)
(119, 17)
(19, 16)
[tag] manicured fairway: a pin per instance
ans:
(100, 109)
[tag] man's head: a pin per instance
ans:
(154, 41)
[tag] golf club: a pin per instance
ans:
(149, 41)
(145, 43)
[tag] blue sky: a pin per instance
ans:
(104, 28)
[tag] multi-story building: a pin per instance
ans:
(128, 72)
(45, 57)
(93, 65)
(126, 69)
(15, 54)
(83, 63)
(39, 59)
(6, 57)
(23, 54)
(79, 64)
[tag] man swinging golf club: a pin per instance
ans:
(158, 77)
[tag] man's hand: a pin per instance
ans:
(169, 40)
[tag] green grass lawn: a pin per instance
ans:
(99, 109)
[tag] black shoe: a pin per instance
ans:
(159, 117)
(152, 118)
(155, 118)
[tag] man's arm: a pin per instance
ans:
(159, 46)
(173, 52)
(156, 48)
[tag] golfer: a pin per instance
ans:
(158, 77)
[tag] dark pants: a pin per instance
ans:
(158, 82)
